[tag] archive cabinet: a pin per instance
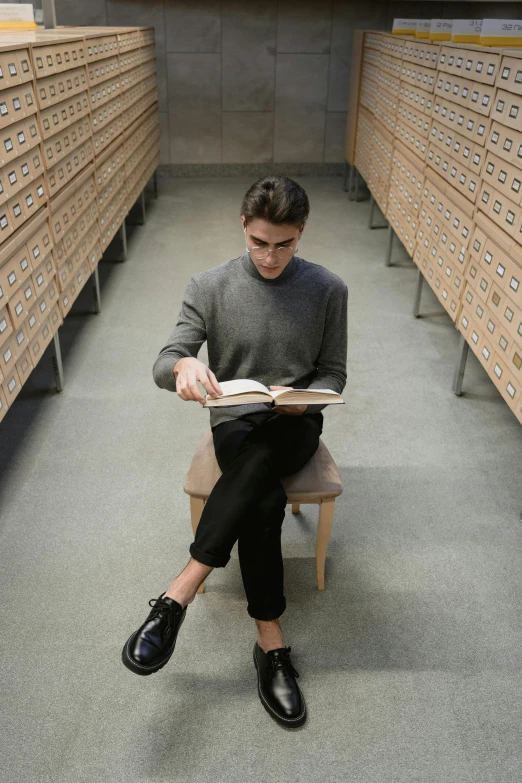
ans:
(447, 118)
(79, 140)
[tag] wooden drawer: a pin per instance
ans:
(506, 143)
(39, 342)
(416, 98)
(56, 118)
(108, 164)
(11, 386)
(503, 176)
(510, 76)
(461, 178)
(100, 70)
(60, 87)
(69, 167)
(57, 57)
(103, 115)
(418, 76)
(104, 92)
(101, 47)
(467, 122)
(103, 138)
(508, 109)
(17, 139)
(20, 172)
(468, 153)
(500, 209)
(16, 103)
(15, 68)
(131, 40)
(65, 141)
(477, 64)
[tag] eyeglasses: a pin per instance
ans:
(282, 253)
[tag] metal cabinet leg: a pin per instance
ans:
(345, 181)
(350, 182)
(95, 280)
(142, 203)
(370, 220)
(123, 234)
(460, 367)
(357, 178)
(418, 294)
(57, 363)
(372, 205)
(391, 234)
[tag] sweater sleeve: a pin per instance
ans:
(187, 338)
(331, 363)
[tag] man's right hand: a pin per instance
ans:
(188, 371)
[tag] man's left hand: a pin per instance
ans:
(289, 410)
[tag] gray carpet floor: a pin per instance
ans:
(410, 660)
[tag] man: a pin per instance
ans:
(270, 316)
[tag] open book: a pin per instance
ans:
(244, 391)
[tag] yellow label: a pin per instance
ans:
(464, 38)
(500, 40)
(18, 26)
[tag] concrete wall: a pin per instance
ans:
(257, 81)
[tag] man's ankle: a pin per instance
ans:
(269, 635)
(182, 599)
(272, 644)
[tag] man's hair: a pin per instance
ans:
(276, 199)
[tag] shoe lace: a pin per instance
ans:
(283, 661)
(157, 608)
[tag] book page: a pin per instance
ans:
(291, 392)
(241, 385)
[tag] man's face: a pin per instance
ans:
(260, 233)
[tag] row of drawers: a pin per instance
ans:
(15, 68)
(17, 339)
(144, 177)
(142, 173)
(28, 358)
(21, 186)
(444, 277)
(58, 57)
(51, 265)
(61, 99)
(501, 369)
(25, 297)
(21, 351)
(450, 224)
(66, 212)
(481, 64)
(55, 89)
(400, 216)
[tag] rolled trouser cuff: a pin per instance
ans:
(209, 560)
(267, 613)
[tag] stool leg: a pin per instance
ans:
(196, 509)
(295, 508)
(326, 514)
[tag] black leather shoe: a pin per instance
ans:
(279, 692)
(150, 647)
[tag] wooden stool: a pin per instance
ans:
(317, 482)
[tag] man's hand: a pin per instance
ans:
(290, 410)
(188, 371)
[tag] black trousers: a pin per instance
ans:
(247, 503)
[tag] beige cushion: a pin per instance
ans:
(317, 480)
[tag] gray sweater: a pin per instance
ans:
(291, 330)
